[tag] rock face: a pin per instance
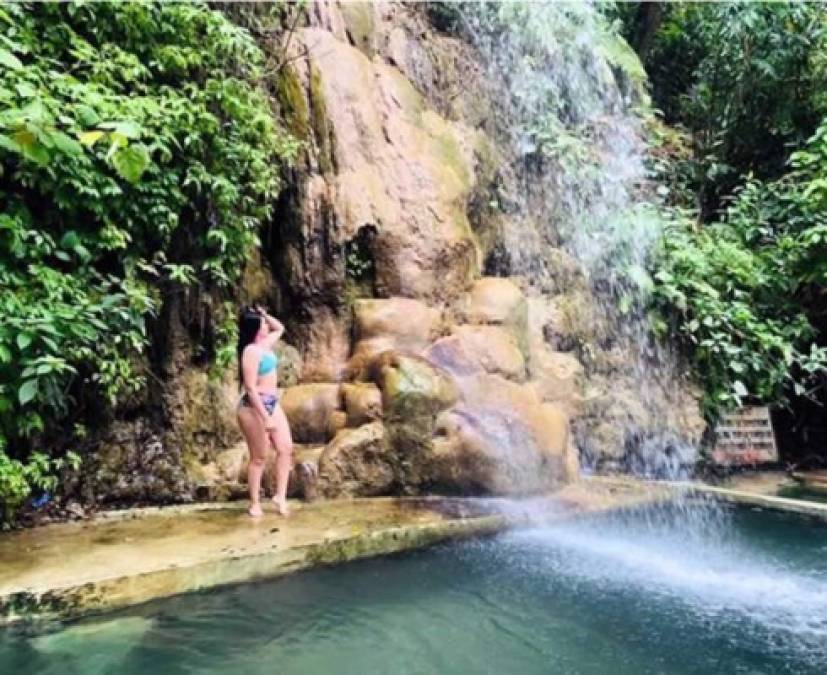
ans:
(420, 362)
(132, 465)
(493, 349)
(363, 403)
(399, 324)
(357, 463)
(411, 386)
(311, 410)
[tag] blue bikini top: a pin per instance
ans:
(269, 362)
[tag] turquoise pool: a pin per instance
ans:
(681, 591)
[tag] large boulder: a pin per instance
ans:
(494, 348)
(363, 403)
(310, 411)
(399, 324)
(357, 463)
(410, 323)
(487, 390)
(411, 386)
(495, 300)
(516, 442)
(452, 354)
(499, 302)
(496, 451)
(290, 365)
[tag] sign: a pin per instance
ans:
(745, 436)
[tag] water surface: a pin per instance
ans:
(660, 592)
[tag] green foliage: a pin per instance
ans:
(138, 155)
(746, 79)
(226, 339)
(741, 277)
(736, 290)
(18, 479)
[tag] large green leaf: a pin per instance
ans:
(27, 392)
(66, 144)
(131, 162)
(9, 60)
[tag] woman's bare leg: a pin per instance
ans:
(283, 441)
(256, 436)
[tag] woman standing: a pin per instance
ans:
(260, 416)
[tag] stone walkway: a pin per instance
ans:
(122, 559)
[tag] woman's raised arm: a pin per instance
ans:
(276, 328)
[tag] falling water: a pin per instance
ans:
(576, 182)
(567, 92)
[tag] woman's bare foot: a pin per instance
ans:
(281, 506)
(255, 511)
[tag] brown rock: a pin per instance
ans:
(500, 440)
(493, 451)
(399, 166)
(309, 408)
(493, 391)
(550, 428)
(359, 25)
(290, 365)
(495, 300)
(498, 301)
(357, 463)
(305, 475)
(450, 353)
(493, 348)
(231, 463)
(203, 414)
(363, 403)
(326, 346)
(410, 323)
(572, 461)
(399, 324)
(411, 386)
(557, 376)
(336, 422)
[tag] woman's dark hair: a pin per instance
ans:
(249, 324)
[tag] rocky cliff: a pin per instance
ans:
(421, 357)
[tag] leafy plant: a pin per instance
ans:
(746, 79)
(138, 156)
(736, 290)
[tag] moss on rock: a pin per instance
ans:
(290, 94)
(322, 130)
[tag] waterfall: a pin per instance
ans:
(568, 94)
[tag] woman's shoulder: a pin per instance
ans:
(252, 348)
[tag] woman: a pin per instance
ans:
(260, 416)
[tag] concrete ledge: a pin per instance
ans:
(108, 594)
(725, 494)
(787, 504)
(70, 569)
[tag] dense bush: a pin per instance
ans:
(746, 79)
(741, 276)
(137, 155)
(737, 290)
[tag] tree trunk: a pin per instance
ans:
(648, 18)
